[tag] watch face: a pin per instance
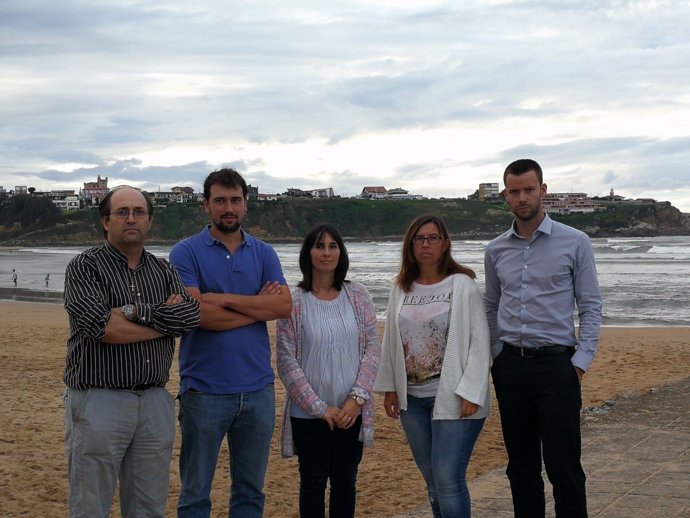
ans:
(127, 310)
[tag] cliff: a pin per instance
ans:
(358, 219)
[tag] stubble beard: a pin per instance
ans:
(227, 229)
(533, 213)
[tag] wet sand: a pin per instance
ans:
(32, 458)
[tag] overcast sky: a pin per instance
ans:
(431, 96)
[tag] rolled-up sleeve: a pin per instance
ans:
(86, 301)
(171, 319)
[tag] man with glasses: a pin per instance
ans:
(125, 308)
(226, 379)
(536, 274)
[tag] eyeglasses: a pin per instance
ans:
(432, 240)
(124, 213)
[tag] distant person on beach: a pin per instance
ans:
(435, 363)
(226, 379)
(14, 277)
(47, 279)
(125, 308)
(536, 274)
(328, 353)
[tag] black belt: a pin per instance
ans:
(531, 352)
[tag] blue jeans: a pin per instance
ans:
(442, 450)
(246, 420)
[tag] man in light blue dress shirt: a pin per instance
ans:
(537, 274)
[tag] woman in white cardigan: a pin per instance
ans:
(434, 367)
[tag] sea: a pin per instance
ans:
(644, 281)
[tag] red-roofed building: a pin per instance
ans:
(374, 192)
(93, 192)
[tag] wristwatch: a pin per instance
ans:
(358, 399)
(128, 311)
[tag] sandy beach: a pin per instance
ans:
(32, 459)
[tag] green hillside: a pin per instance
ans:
(289, 219)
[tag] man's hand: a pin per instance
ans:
(580, 374)
(173, 299)
(270, 288)
(221, 299)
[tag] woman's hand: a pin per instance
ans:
(390, 404)
(467, 409)
(348, 415)
(330, 415)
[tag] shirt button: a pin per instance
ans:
(227, 257)
(524, 286)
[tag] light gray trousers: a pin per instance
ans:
(119, 434)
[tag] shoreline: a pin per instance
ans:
(9, 246)
(28, 295)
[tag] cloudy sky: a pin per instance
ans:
(432, 96)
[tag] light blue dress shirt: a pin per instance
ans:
(534, 286)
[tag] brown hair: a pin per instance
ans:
(409, 268)
(522, 166)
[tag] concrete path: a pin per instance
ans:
(636, 453)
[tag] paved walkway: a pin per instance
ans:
(636, 453)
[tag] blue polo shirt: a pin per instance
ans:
(238, 360)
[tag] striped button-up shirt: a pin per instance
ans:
(100, 279)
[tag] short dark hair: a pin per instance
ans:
(524, 165)
(409, 268)
(104, 204)
(305, 265)
(226, 177)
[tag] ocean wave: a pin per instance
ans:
(54, 251)
(675, 250)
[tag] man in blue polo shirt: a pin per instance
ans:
(226, 379)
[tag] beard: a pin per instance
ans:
(528, 215)
(228, 229)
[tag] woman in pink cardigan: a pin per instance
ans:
(328, 355)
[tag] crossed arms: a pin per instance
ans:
(224, 311)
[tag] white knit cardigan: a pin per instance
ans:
(465, 370)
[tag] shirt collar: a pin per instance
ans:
(544, 227)
(117, 254)
(209, 240)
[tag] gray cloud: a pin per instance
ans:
(99, 83)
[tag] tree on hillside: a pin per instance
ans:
(32, 190)
(28, 210)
